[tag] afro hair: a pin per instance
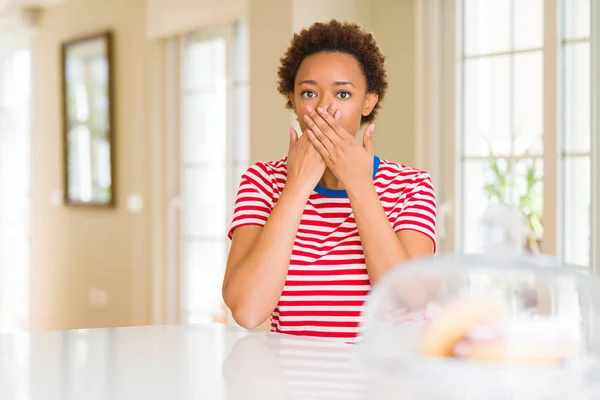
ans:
(335, 37)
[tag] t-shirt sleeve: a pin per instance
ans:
(416, 209)
(254, 199)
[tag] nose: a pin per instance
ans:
(325, 101)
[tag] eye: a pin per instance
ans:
(344, 95)
(307, 94)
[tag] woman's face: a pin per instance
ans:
(335, 82)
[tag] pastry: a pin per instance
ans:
(451, 325)
(520, 340)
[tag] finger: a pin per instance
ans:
(368, 138)
(293, 136)
(320, 135)
(322, 125)
(335, 112)
(330, 121)
(317, 144)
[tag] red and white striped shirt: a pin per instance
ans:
(327, 281)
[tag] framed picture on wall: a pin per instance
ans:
(88, 119)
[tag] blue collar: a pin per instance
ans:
(342, 193)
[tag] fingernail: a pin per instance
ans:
(321, 110)
(338, 115)
(309, 109)
(306, 118)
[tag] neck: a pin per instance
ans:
(330, 181)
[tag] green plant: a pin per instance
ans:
(521, 187)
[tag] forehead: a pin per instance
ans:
(331, 67)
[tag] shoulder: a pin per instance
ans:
(266, 176)
(266, 170)
(395, 173)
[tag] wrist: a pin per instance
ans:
(297, 189)
(360, 188)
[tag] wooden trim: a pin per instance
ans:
(552, 218)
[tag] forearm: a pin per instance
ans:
(382, 248)
(255, 284)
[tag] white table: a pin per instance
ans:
(196, 362)
(173, 362)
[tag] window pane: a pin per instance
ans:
(481, 187)
(486, 26)
(204, 205)
(528, 102)
(577, 19)
(240, 123)
(205, 63)
(487, 106)
(205, 127)
(204, 266)
(529, 24)
(577, 97)
(528, 194)
(577, 211)
(492, 181)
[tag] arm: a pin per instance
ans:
(387, 244)
(259, 259)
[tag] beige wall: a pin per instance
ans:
(76, 250)
(166, 17)
(394, 27)
(306, 12)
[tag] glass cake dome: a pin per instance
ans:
(498, 323)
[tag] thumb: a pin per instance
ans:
(368, 138)
(293, 136)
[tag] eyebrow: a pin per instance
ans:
(336, 83)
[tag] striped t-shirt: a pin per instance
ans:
(327, 281)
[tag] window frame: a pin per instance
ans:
(594, 140)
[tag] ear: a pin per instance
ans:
(370, 101)
(292, 100)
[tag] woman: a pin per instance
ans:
(313, 231)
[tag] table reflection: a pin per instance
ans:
(275, 366)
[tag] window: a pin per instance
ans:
(15, 81)
(213, 154)
(523, 120)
